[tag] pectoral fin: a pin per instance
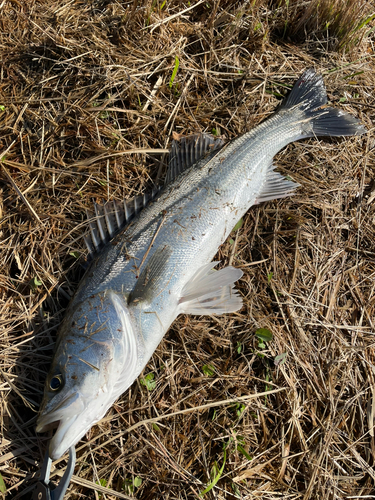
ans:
(150, 279)
(211, 292)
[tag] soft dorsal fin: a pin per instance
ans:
(211, 292)
(186, 151)
(106, 220)
(276, 186)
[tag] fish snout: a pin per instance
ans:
(51, 413)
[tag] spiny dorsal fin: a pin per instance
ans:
(186, 151)
(106, 220)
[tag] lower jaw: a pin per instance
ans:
(64, 438)
(47, 427)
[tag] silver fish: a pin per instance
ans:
(159, 265)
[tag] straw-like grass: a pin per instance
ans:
(83, 86)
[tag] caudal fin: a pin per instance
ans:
(309, 96)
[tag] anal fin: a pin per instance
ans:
(276, 186)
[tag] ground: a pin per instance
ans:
(91, 94)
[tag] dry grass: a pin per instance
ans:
(82, 83)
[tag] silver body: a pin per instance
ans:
(193, 216)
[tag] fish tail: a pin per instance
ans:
(309, 96)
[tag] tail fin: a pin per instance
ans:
(309, 96)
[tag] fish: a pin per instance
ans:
(152, 258)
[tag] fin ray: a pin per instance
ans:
(309, 96)
(276, 186)
(211, 292)
(148, 282)
(188, 150)
(111, 217)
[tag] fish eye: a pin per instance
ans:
(56, 383)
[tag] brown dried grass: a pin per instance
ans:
(84, 83)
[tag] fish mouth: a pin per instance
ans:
(63, 417)
(63, 438)
(44, 427)
(49, 419)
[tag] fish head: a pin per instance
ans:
(97, 357)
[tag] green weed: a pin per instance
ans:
(35, 282)
(174, 72)
(101, 482)
(149, 381)
(208, 370)
(130, 485)
(238, 225)
(3, 488)
(216, 474)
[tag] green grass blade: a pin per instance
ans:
(217, 477)
(3, 488)
(174, 73)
